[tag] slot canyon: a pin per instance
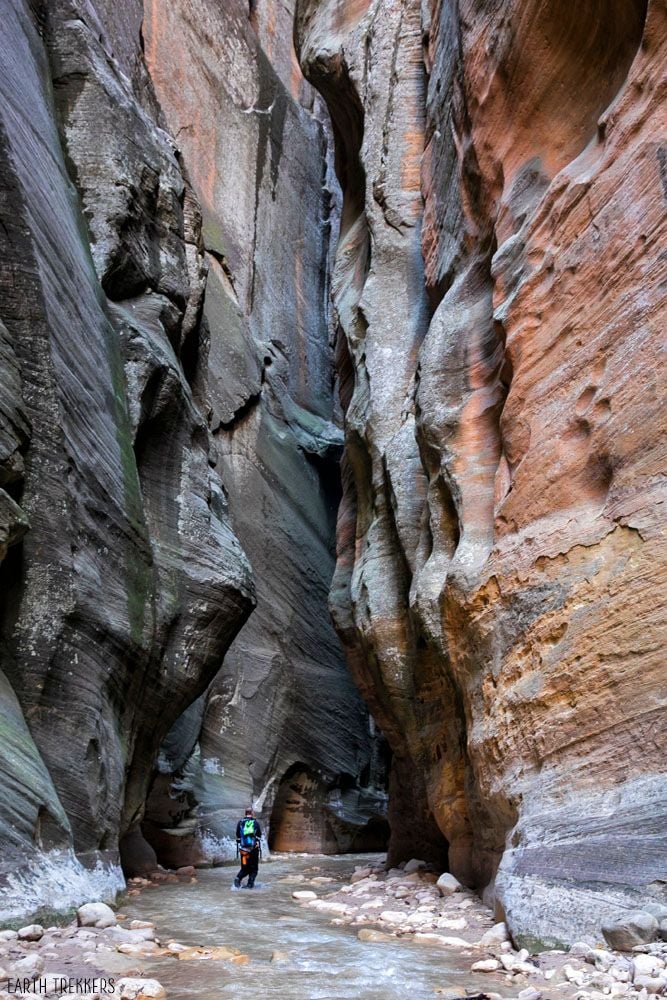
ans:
(332, 448)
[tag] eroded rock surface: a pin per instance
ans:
(129, 583)
(254, 139)
(166, 386)
(501, 536)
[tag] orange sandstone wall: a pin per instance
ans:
(501, 539)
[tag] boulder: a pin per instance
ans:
(626, 930)
(29, 967)
(646, 965)
(302, 894)
(357, 876)
(95, 915)
(33, 932)
(581, 950)
(652, 984)
(448, 885)
(413, 865)
(495, 936)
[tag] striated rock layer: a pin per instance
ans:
(253, 137)
(165, 389)
(128, 584)
(497, 289)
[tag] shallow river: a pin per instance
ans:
(326, 962)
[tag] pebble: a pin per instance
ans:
(486, 965)
(530, 994)
(138, 949)
(576, 976)
(370, 934)
(359, 875)
(652, 984)
(134, 936)
(646, 965)
(581, 950)
(330, 905)
(140, 989)
(439, 939)
(174, 947)
(221, 953)
(304, 894)
(393, 916)
(453, 924)
(187, 871)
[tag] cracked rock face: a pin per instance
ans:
(500, 539)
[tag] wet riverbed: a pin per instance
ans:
(324, 962)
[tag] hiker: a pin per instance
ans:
(248, 835)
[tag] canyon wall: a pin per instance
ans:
(165, 391)
(254, 138)
(498, 288)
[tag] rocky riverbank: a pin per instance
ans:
(105, 953)
(415, 904)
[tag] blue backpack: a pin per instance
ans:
(248, 835)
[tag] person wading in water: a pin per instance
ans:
(248, 834)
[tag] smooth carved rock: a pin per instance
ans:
(500, 537)
(103, 598)
(269, 210)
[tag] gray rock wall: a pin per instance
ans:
(142, 433)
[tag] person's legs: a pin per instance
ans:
(243, 870)
(253, 865)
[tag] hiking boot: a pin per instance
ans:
(251, 883)
(237, 882)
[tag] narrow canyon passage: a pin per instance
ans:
(294, 951)
(332, 474)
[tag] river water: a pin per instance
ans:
(325, 962)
